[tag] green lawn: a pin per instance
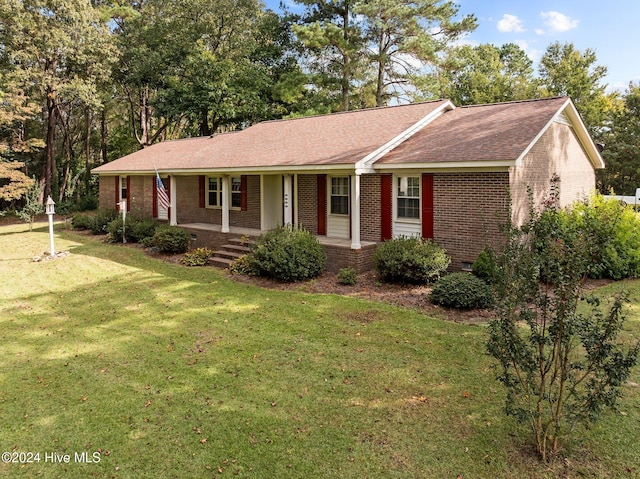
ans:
(168, 371)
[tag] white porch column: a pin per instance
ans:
(355, 212)
(225, 204)
(173, 216)
(296, 207)
(288, 200)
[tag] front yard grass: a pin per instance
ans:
(170, 371)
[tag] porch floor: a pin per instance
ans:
(240, 231)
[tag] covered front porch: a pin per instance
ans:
(340, 252)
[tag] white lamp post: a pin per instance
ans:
(50, 210)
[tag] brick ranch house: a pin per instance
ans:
(357, 178)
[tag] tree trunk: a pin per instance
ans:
(103, 135)
(50, 151)
(346, 60)
(87, 151)
(144, 117)
(204, 123)
(381, 65)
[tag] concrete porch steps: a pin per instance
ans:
(230, 252)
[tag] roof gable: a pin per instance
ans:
(485, 134)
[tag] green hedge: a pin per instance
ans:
(287, 253)
(461, 291)
(409, 259)
(171, 239)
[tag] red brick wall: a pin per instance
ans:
(468, 211)
(107, 192)
(308, 202)
(370, 208)
(141, 195)
(339, 257)
(557, 151)
(189, 211)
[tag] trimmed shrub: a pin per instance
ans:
(136, 229)
(171, 239)
(139, 229)
(82, 222)
(347, 276)
(287, 253)
(409, 259)
(114, 229)
(484, 267)
(461, 291)
(101, 220)
(197, 257)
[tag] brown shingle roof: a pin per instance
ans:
(337, 139)
(499, 131)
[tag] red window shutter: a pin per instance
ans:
(155, 197)
(386, 207)
(201, 191)
(128, 193)
(322, 204)
(427, 205)
(243, 193)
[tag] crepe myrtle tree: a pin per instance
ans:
(560, 353)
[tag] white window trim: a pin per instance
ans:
(123, 186)
(219, 192)
(329, 195)
(397, 218)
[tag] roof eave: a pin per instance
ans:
(231, 170)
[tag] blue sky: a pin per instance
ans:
(611, 29)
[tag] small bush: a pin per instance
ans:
(484, 267)
(171, 239)
(197, 257)
(139, 229)
(242, 265)
(101, 220)
(347, 276)
(82, 222)
(135, 229)
(461, 291)
(115, 230)
(147, 242)
(410, 260)
(287, 253)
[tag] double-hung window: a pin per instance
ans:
(214, 192)
(340, 196)
(408, 197)
(123, 188)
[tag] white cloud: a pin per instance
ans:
(510, 23)
(533, 53)
(559, 22)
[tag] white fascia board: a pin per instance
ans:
(366, 164)
(579, 128)
(449, 166)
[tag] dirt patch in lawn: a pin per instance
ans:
(371, 288)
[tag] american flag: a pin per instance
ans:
(163, 197)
